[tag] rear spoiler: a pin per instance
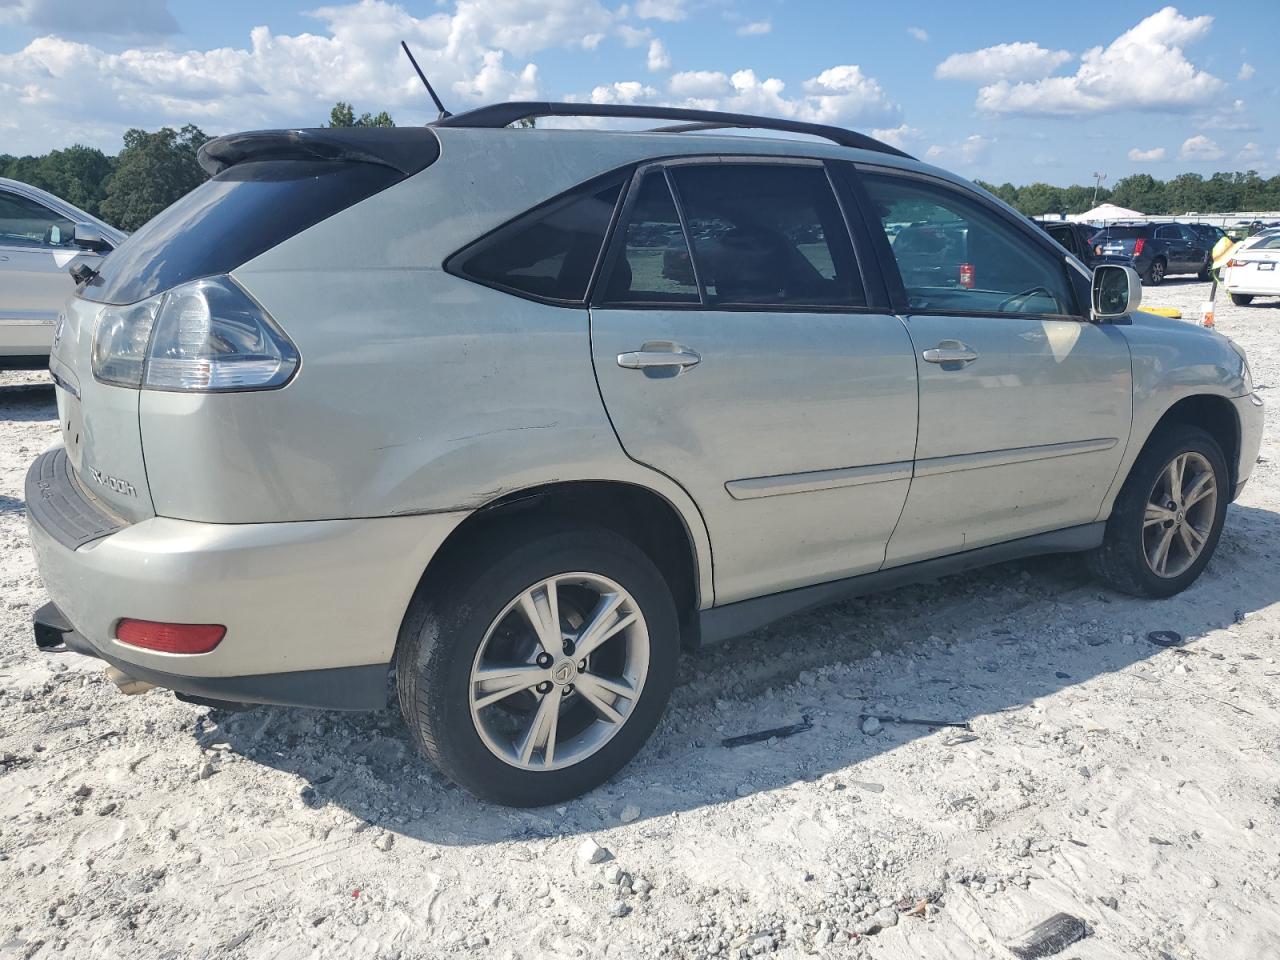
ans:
(404, 149)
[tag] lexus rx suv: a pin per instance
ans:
(442, 405)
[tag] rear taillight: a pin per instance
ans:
(1237, 263)
(1139, 245)
(966, 275)
(170, 637)
(206, 336)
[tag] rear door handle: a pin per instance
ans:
(950, 351)
(659, 355)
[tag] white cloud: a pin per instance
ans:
(755, 28)
(1249, 153)
(668, 10)
(658, 58)
(1154, 155)
(919, 33)
(55, 91)
(841, 94)
(1200, 148)
(625, 91)
(1246, 72)
(699, 83)
(117, 18)
(634, 36)
(1004, 61)
(1142, 69)
(970, 151)
(898, 136)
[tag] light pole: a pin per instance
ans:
(1098, 178)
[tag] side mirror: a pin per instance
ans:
(88, 236)
(1117, 290)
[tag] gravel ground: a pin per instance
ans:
(1134, 787)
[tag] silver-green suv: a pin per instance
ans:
(517, 415)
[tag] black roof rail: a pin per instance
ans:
(504, 114)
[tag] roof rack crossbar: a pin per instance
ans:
(504, 114)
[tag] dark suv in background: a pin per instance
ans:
(1157, 250)
(1077, 238)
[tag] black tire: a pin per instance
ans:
(1242, 299)
(447, 622)
(1121, 561)
(1206, 272)
(1156, 272)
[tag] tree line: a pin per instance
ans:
(153, 169)
(1185, 193)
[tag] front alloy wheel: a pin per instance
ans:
(1166, 522)
(1181, 510)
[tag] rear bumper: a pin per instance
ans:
(312, 609)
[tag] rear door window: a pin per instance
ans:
(653, 265)
(548, 253)
(768, 235)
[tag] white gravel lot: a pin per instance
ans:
(1134, 787)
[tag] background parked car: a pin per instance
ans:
(1254, 269)
(1158, 250)
(38, 242)
(1077, 239)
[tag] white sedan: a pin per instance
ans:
(1254, 269)
(40, 235)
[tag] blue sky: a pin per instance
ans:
(999, 91)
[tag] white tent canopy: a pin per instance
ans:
(1107, 211)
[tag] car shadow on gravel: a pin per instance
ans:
(28, 402)
(974, 647)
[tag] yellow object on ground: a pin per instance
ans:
(1172, 312)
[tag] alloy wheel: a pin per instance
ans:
(1181, 510)
(559, 671)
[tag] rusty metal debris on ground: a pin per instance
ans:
(959, 739)
(806, 723)
(959, 724)
(1050, 937)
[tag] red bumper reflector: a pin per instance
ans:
(170, 637)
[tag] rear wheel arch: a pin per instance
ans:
(639, 514)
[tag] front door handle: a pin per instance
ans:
(950, 351)
(660, 356)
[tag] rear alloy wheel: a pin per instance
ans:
(1155, 272)
(1167, 520)
(539, 666)
(1242, 299)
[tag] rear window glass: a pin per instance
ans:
(1122, 233)
(653, 265)
(227, 221)
(1266, 243)
(549, 252)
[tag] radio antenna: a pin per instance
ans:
(425, 82)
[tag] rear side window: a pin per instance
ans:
(549, 252)
(768, 235)
(1123, 233)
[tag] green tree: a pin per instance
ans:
(1141, 192)
(78, 174)
(342, 115)
(1078, 198)
(1185, 193)
(1037, 199)
(152, 171)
